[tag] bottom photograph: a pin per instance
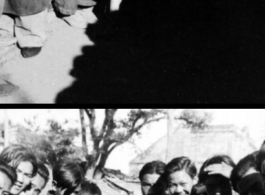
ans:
(132, 151)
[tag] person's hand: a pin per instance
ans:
(220, 168)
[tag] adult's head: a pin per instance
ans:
(67, 177)
(7, 178)
(149, 174)
(23, 160)
(180, 174)
(39, 181)
(245, 177)
(217, 183)
(89, 188)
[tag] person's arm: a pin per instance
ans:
(221, 168)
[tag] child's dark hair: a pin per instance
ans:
(15, 154)
(89, 188)
(242, 167)
(67, 174)
(181, 163)
(218, 159)
(9, 171)
(157, 167)
(43, 171)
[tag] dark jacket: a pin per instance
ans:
(251, 184)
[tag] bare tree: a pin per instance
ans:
(114, 133)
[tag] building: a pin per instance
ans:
(199, 145)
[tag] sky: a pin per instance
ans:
(251, 118)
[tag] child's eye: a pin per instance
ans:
(28, 176)
(146, 184)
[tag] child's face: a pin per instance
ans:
(37, 185)
(24, 174)
(180, 183)
(147, 182)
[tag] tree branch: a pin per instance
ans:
(84, 143)
(105, 155)
(113, 147)
(135, 120)
(108, 125)
(92, 117)
(198, 123)
(185, 119)
(137, 129)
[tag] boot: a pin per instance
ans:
(27, 52)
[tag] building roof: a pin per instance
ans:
(154, 152)
(157, 150)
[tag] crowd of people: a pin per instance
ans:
(22, 173)
(218, 175)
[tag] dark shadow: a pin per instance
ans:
(173, 51)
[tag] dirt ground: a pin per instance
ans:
(42, 77)
(149, 52)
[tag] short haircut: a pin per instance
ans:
(181, 163)
(218, 159)
(68, 174)
(15, 154)
(89, 188)
(242, 167)
(43, 171)
(154, 167)
(9, 171)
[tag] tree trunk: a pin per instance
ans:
(98, 174)
(90, 172)
(105, 155)
(82, 120)
(90, 165)
(170, 135)
(103, 160)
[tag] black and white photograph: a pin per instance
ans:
(132, 51)
(132, 151)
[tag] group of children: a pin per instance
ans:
(22, 173)
(218, 175)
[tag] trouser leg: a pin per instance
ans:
(6, 25)
(6, 31)
(31, 30)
